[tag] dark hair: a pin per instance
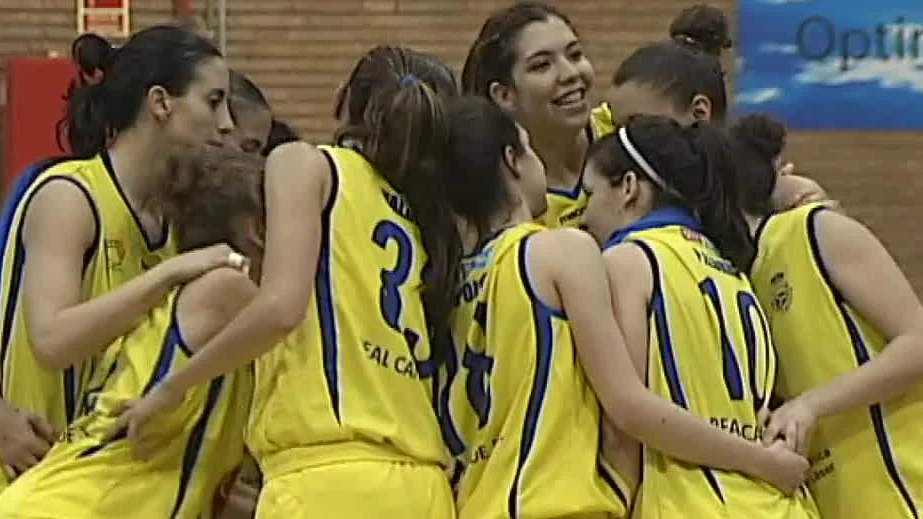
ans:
(493, 53)
(397, 120)
(757, 141)
(695, 171)
(279, 133)
(206, 196)
(677, 71)
(244, 90)
(354, 95)
(480, 133)
(703, 27)
(109, 91)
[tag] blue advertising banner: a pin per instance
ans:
(832, 64)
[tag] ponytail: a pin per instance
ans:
(397, 120)
(109, 93)
(689, 167)
(715, 200)
(85, 125)
(407, 147)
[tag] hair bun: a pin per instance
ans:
(703, 28)
(761, 133)
(91, 53)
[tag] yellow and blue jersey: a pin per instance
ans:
(866, 462)
(709, 352)
(565, 207)
(517, 410)
(85, 476)
(353, 382)
(119, 253)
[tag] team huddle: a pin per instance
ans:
(487, 298)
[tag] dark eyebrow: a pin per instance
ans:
(545, 53)
(539, 54)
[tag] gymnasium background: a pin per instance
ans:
(298, 51)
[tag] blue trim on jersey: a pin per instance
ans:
(527, 282)
(22, 185)
(196, 439)
(542, 321)
(658, 310)
(89, 397)
(171, 341)
(663, 217)
(450, 435)
(324, 294)
(152, 245)
(69, 381)
(572, 193)
(861, 352)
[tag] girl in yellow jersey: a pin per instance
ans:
(675, 246)
(849, 332)
(528, 59)
(517, 407)
(92, 476)
(342, 423)
(83, 237)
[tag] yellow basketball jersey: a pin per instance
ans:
(120, 253)
(866, 462)
(710, 352)
(566, 206)
(516, 408)
(353, 381)
(83, 477)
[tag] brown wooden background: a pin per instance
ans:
(299, 50)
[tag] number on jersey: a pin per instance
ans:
(751, 319)
(392, 279)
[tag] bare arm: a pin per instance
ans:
(298, 180)
(793, 191)
(580, 282)
(63, 328)
(874, 286)
(209, 303)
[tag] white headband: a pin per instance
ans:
(643, 164)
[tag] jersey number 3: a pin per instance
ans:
(389, 296)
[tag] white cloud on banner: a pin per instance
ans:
(759, 95)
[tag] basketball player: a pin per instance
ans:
(360, 439)
(91, 228)
(677, 79)
(676, 246)
(89, 476)
(849, 334)
(251, 115)
(517, 409)
(529, 60)
(279, 133)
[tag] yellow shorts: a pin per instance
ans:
(359, 490)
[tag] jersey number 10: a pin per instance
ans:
(733, 376)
